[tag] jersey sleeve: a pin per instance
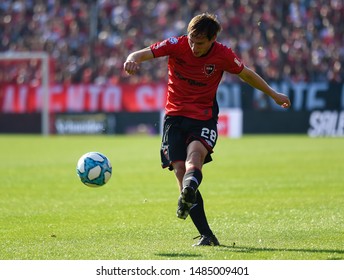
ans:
(164, 48)
(233, 63)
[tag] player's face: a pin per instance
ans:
(200, 45)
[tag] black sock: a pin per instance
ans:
(198, 217)
(192, 178)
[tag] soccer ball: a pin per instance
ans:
(94, 169)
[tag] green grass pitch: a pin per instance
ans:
(267, 198)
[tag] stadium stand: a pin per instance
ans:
(296, 40)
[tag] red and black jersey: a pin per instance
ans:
(193, 81)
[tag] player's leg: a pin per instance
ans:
(190, 201)
(197, 214)
(201, 142)
(175, 152)
(201, 138)
(196, 153)
(194, 176)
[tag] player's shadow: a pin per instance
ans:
(178, 255)
(242, 249)
(248, 250)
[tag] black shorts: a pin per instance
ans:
(179, 132)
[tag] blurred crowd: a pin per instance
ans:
(88, 40)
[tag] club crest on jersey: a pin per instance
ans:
(209, 69)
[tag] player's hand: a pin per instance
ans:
(131, 67)
(282, 100)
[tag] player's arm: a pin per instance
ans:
(254, 80)
(132, 63)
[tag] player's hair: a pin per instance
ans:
(204, 25)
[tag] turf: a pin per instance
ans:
(267, 198)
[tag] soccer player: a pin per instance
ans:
(196, 65)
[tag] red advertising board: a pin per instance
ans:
(84, 98)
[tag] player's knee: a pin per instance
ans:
(196, 154)
(179, 169)
(195, 159)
